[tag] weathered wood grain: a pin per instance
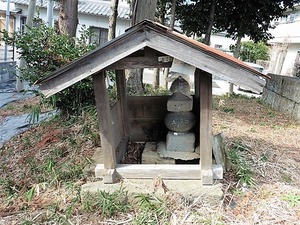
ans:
(164, 171)
(139, 63)
(189, 53)
(206, 127)
(105, 121)
(95, 62)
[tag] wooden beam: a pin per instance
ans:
(139, 63)
(164, 171)
(105, 123)
(206, 128)
(122, 96)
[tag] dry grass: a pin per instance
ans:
(274, 143)
(274, 156)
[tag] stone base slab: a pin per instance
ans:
(161, 149)
(151, 156)
(180, 142)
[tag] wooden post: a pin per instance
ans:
(122, 96)
(105, 127)
(124, 117)
(197, 83)
(206, 128)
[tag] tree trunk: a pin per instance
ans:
(237, 49)
(112, 20)
(68, 17)
(172, 22)
(161, 15)
(156, 82)
(141, 10)
(22, 63)
(210, 22)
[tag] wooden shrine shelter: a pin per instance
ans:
(148, 45)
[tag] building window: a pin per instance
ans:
(217, 46)
(99, 35)
(3, 23)
(23, 23)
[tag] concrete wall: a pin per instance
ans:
(283, 94)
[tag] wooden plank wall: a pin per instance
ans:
(115, 112)
(146, 116)
(148, 113)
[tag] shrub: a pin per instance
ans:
(45, 50)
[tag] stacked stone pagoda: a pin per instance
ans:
(180, 141)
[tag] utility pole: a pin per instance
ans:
(7, 27)
(50, 6)
(22, 65)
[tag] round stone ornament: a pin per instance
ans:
(180, 121)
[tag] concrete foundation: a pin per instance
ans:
(187, 188)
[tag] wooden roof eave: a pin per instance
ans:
(225, 67)
(202, 47)
(93, 62)
(159, 38)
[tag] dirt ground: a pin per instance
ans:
(272, 151)
(274, 155)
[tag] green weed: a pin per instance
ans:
(10, 107)
(228, 110)
(271, 113)
(34, 115)
(264, 157)
(237, 157)
(30, 194)
(108, 204)
(152, 210)
(286, 178)
(292, 198)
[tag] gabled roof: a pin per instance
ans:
(100, 8)
(149, 35)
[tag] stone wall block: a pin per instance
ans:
(296, 112)
(274, 84)
(283, 94)
(291, 88)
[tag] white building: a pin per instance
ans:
(221, 42)
(285, 47)
(91, 14)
